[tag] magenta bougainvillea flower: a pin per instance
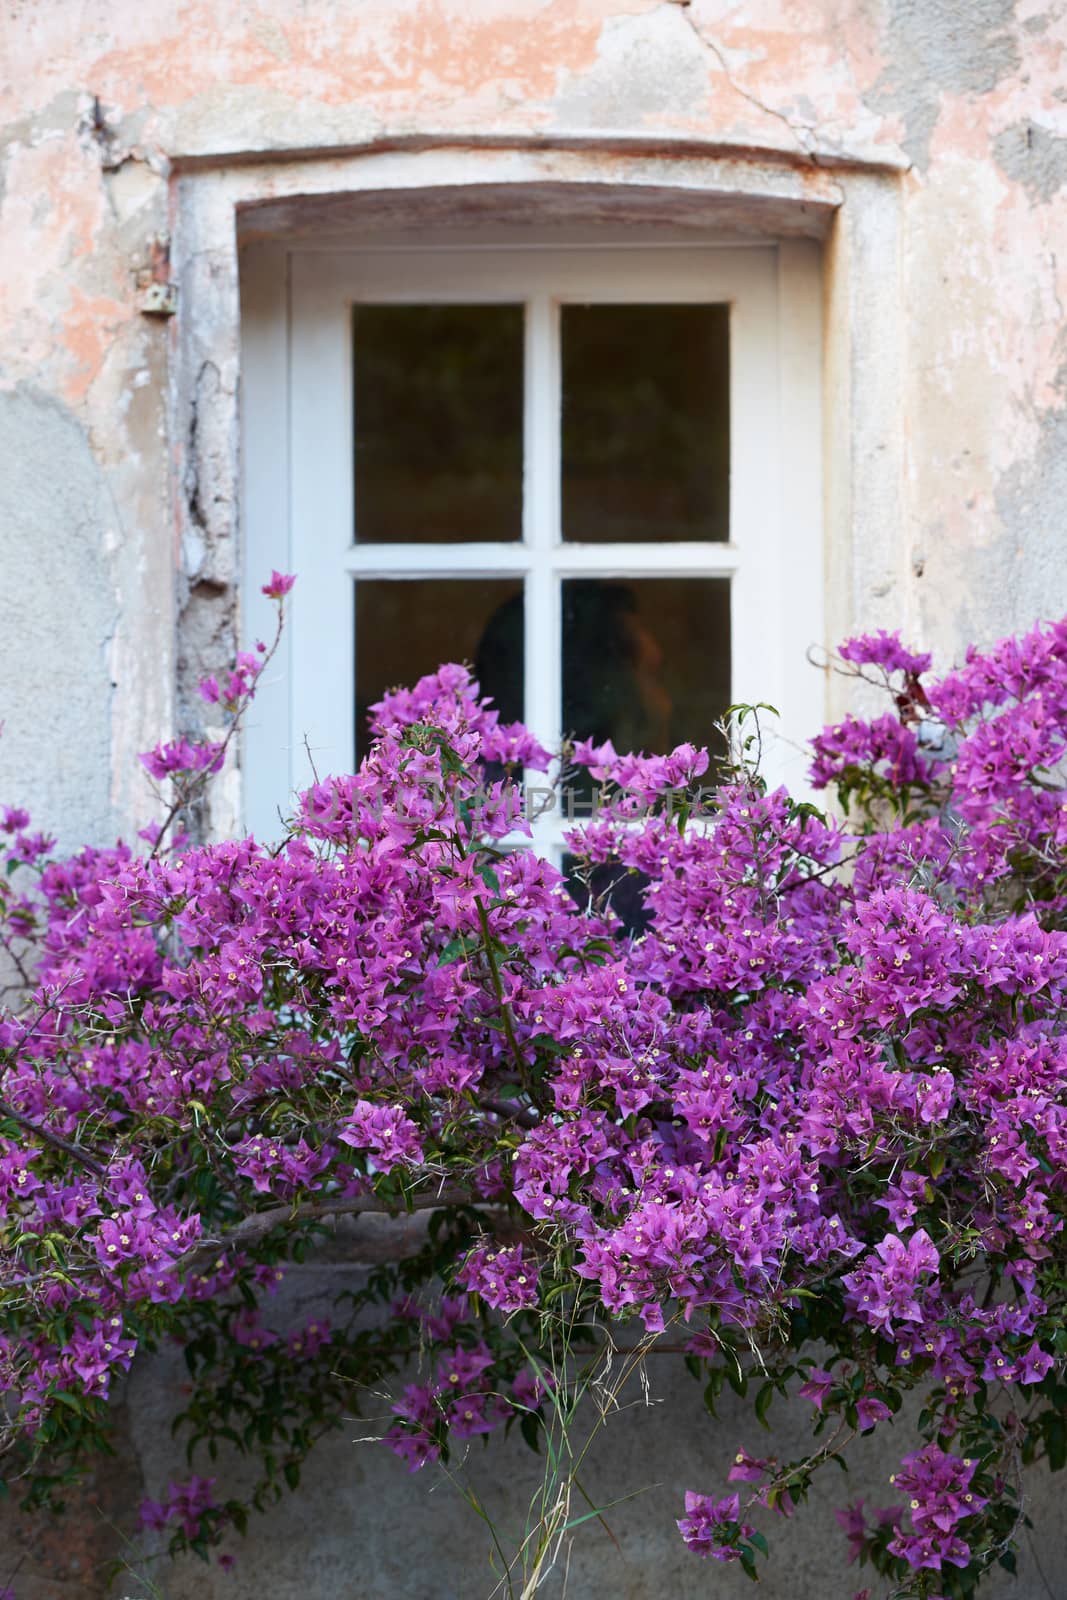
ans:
(806, 1126)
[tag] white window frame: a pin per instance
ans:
(298, 434)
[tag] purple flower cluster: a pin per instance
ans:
(239, 684)
(185, 1503)
(824, 1088)
(470, 1394)
(940, 1498)
(387, 1132)
(883, 745)
(884, 650)
(713, 1527)
(505, 1277)
(888, 1290)
(277, 1168)
(182, 756)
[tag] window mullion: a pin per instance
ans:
(541, 529)
(323, 610)
(437, 560)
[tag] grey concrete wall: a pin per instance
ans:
(363, 1528)
(58, 620)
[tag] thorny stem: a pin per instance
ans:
(833, 1446)
(55, 1140)
(189, 792)
(498, 989)
(253, 1228)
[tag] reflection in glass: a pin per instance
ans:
(646, 661)
(406, 628)
(438, 423)
(646, 422)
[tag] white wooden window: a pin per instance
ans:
(564, 515)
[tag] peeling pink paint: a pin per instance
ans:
(90, 329)
(813, 84)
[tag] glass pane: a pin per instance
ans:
(646, 661)
(609, 886)
(438, 423)
(406, 628)
(646, 422)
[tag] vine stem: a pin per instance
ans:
(55, 1140)
(252, 1228)
(187, 794)
(498, 989)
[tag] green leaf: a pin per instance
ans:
(75, 1402)
(737, 1380)
(530, 1428)
(455, 948)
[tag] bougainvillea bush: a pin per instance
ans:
(804, 1117)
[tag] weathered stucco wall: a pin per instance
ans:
(109, 110)
(925, 139)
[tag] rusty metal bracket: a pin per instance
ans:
(159, 300)
(159, 295)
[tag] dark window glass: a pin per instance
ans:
(646, 661)
(608, 885)
(646, 422)
(406, 628)
(438, 423)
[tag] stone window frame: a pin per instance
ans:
(837, 227)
